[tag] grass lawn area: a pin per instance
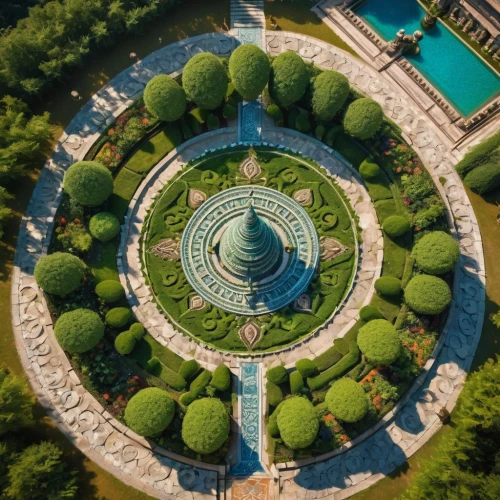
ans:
(102, 261)
(296, 16)
(125, 185)
(148, 348)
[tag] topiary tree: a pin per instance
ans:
(38, 473)
(436, 253)
(378, 340)
(79, 330)
(150, 411)
(484, 179)
(298, 423)
(306, 367)
(249, 69)
(369, 313)
(275, 113)
(118, 317)
(104, 226)
(165, 98)
(16, 403)
(221, 378)
(363, 118)
(274, 394)
(330, 91)
(395, 226)
(427, 294)
(110, 291)
(289, 79)
(347, 400)
(388, 285)
(125, 342)
(368, 169)
(137, 330)
(205, 80)
(88, 183)
(189, 368)
(59, 273)
(296, 382)
(277, 375)
(272, 424)
(205, 427)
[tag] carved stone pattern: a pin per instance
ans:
(196, 198)
(167, 249)
(303, 303)
(196, 303)
(303, 196)
(249, 333)
(330, 248)
(250, 168)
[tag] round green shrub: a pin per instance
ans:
(229, 111)
(368, 169)
(275, 113)
(110, 291)
(484, 179)
(118, 317)
(378, 340)
(249, 69)
(213, 122)
(347, 400)
(302, 123)
(289, 79)
(369, 313)
(150, 411)
(274, 394)
(88, 183)
(298, 423)
(395, 226)
(272, 424)
(306, 367)
(296, 382)
(79, 330)
(427, 294)
(387, 285)
(104, 226)
(221, 379)
(165, 98)
(205, 80)
(205, 427)
(59, 273)
(436, 253)
(189, 368)
(330, 91)
(137, 330)
(363, 118)
(277, 375)
(125, 342)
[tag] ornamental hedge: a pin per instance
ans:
(88, 183)
(363, 118)
(59, 273)
(395, 226)
(427, 294)
(274, 394)
(104, 226)
(125, 342)
(205, 80)
(378, 340)
(249, 70)
(298, 423)
(137, 330)
(306, 367)
(118, 317)
(347, 400)
(368, 169)
(436, 253)
(484, 179)
(79, 330)
(330, 91)
(221, 378)
(275, 113)
(110, 291)
(388, 285)
(189, 368)
(288, 79)
(205, 427)
(296, 382)
(277, 375)
(369, 313)
(165, 98)
(150, 411)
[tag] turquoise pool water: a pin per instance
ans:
(455, 70)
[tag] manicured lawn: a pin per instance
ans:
(297, 16)
(125, 185)
(102, 261)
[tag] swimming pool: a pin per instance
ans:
(454, 69)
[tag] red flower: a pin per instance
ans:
(145, 121)
(63, 221)
(106, 396)
(113, 148)
(118, 156)
(344, 438)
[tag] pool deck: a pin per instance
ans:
(398, 71)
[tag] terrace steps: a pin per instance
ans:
(247, 14)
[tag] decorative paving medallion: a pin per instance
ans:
(196, 198)
(251, 489)
(196, 303)
(166, 249)
(304, 197)
(250, 250)
(250, 168)
(250, 334)
(331, 248)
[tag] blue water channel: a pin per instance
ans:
(454, 69)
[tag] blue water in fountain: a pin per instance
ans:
(454, 69)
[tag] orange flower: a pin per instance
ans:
(329, 418)
(344, 438)
(427, 341)
(111, 131)
(398, 170)
(118, 156)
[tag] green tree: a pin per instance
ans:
(39, 473)
(16, 403)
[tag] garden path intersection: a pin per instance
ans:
(164, 474)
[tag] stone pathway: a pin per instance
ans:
(247, 14)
